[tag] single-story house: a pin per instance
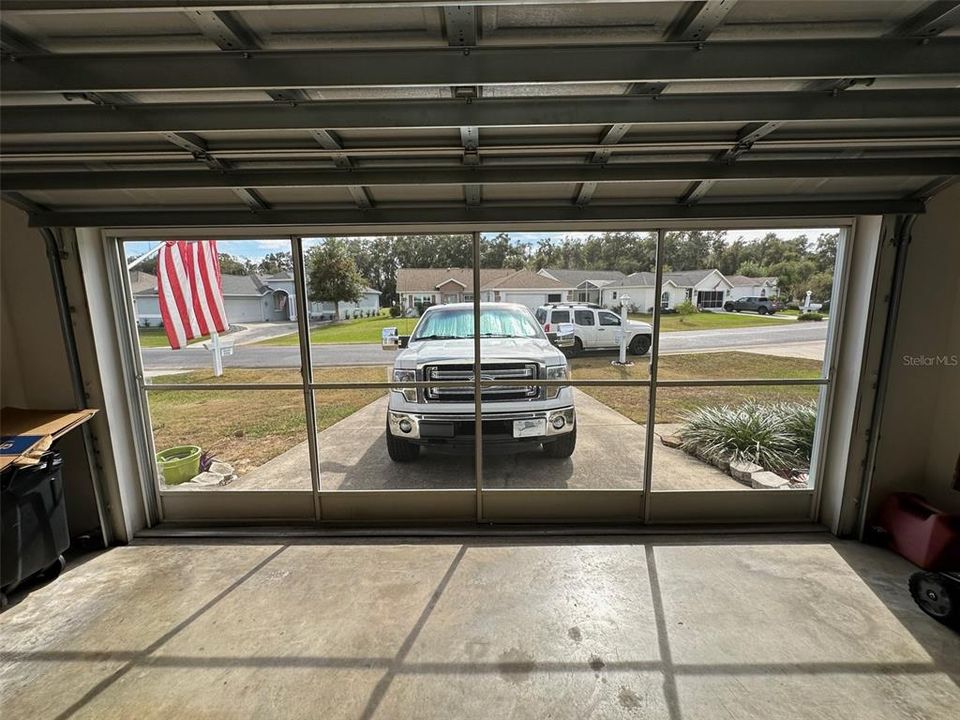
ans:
(707, 289)
(369, 301)
(584, 286)
(246, 298)
(442, 286)
(744, 286)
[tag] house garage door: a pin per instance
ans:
(244, 309)
(531, 300)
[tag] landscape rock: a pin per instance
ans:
(766, 480)
(743, 471)
(671, 441)
(722, 462)
(208, 478)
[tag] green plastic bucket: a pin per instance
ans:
(179, 464)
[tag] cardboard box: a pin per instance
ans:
(26, 434)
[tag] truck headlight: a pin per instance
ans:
(556, 372)
(409, 393)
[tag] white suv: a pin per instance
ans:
(596, 328)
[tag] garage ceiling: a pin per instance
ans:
(410, 112)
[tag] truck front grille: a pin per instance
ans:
(488, 371)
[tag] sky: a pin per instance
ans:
(257, 249)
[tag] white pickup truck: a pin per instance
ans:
(513, 346)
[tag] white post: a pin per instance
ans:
(624, 301)
(217, 355)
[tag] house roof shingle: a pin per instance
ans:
(247, 285)
(744, 281)
(572, 278)
(427, 279)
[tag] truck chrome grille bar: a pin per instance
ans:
(488, 372)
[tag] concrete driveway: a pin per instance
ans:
(609, 454)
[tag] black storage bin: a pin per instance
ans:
(34, 521)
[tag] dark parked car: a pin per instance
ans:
(761, 305)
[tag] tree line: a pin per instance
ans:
(338, 268)
(799, 263)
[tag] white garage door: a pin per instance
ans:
(531, 300)
(243, 309)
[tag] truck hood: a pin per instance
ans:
(491, 350)
(637, 326)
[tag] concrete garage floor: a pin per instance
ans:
(682, 628)
(609, 454)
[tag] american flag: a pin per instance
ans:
(191, 295)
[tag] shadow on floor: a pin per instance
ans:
(841, 646)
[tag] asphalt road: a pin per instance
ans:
(260, 356)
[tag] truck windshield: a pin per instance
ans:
(457, 324)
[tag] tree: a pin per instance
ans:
(826, 252)
(275, 263)
(230, 265)
(332, 275)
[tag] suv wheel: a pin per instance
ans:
(728, 307)
(640, 345)
(577, 348)
(401, 450)
(762, 310)
(563, 447)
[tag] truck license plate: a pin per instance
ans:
(529, 428)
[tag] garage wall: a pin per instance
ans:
(920, 438)
(35, 372)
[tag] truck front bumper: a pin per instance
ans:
(449, 429)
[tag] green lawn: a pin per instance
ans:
(673, 402)
(367, 330)
(674, 322)
(157, 337)
(362, 330)
(247, 428)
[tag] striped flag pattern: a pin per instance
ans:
(191, 294)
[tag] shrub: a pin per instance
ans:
(810, 317)
(686, 308)
(395, 311)
(776, 436)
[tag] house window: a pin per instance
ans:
(763, 292)
(554, 298)
(614, 294)
(665, 300)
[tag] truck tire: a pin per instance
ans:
(640, 345)
(563, 447)
(401, 450)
